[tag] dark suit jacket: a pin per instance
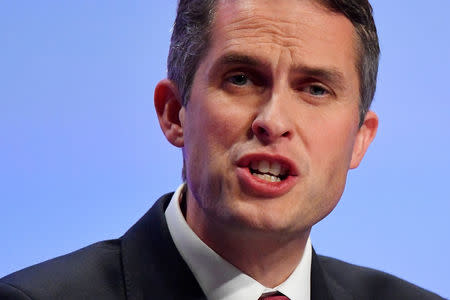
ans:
(145, 264)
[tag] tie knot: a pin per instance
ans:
(276, 296)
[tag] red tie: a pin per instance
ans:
(276, 296)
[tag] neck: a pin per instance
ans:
(266, 256)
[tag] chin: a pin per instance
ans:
(261, 217)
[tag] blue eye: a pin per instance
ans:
(317, 90)
(238, 79)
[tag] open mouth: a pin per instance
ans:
(268, 171)
(266, 175)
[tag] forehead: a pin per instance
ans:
(305, 28)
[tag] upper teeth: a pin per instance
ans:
(264, 166)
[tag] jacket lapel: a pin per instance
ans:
(153, 268)
(323, 287)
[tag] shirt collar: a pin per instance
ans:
(219, 279)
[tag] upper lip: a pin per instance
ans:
(245, 161)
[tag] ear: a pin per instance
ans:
(169, 110)
(364, 138)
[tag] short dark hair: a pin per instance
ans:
(190, 41)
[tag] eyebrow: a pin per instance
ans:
(241, 59)
(237, 59)
(328, 74)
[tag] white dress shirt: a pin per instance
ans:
(219, 279)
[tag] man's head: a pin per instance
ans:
(273, 121)
(192, 33)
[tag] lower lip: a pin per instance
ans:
(263, 188)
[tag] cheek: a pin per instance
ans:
(222, 123)
(335, 135)
(211, 134)
(331, 150)
(212, 129)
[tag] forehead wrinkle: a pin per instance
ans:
(266, 30)
(277, 48)
(246, 19)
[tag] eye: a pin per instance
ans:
(316, 90)
(239, 79)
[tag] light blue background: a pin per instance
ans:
(82, 156)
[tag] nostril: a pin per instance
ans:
(270, 130)
(262, 131)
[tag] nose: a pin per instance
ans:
(272, 122)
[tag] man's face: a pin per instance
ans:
(271, 127)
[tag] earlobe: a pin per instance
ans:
(364, 138)
(169, 110)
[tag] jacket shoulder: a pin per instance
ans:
(367, 283)
(92, 272)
